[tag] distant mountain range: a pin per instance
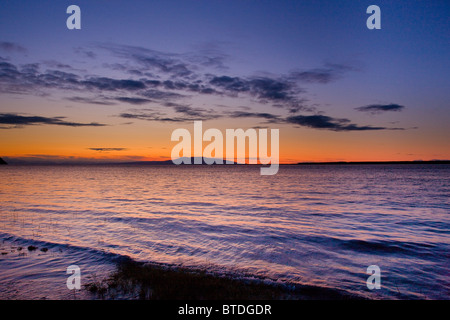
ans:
(299, 163)
(166, 162)
(170, 161)
(18, 161)
(377, 162)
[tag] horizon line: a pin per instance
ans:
(170, 162)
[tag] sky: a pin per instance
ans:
(117, 88)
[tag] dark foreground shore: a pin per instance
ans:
(154, 282)
(38, 272)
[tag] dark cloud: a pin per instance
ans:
(109, 101)
(161, 95)
(271, 89)
(313, 76)
(165, 78)
(8, 72)
(101, 101)
(189, 114)
(233, 84)
(29, 77)
(196, 86)
(378, 108)
(107, 149)
(30, 68)
(174, 85)
(279, 92)
(182, 65)
(153, 83)
(311, 121)
(188, 111)
(152, 60)
(109, 84)
(11, 47)
(58, 65)
(53, 79)
(282, 92)
(195, 113)
(133, 100)
(14, 120)
(152, 116)
(245, 114)
(208, 91)
(180, 77)
(330, 72)
(328, 123)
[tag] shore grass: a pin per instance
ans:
(134, 280)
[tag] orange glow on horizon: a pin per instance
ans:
(144, 142)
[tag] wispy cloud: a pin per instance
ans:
(133, 100)
(378, 108)
(107, 149)
(100, 101)
(191, 113)
(245, 114)
(165, 81)
(311, 121)
(109, 84)
(151, 60)
(85, 52)
(329, 123)
(11, 47)
(328, 73)
(105, 100)
(152, 116)
(187, 112)
(263, 87)
(14, 120)
(162, 77)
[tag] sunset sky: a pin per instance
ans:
(116, 89)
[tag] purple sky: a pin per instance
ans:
(310, 68)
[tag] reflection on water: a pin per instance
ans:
(320, 225)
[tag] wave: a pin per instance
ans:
(101, 257)
(83, 252)
(388, 247)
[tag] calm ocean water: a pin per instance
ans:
(318, 225)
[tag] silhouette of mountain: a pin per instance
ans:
(2, 161)
(185, 161)
(377, 162)
(147, 162)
